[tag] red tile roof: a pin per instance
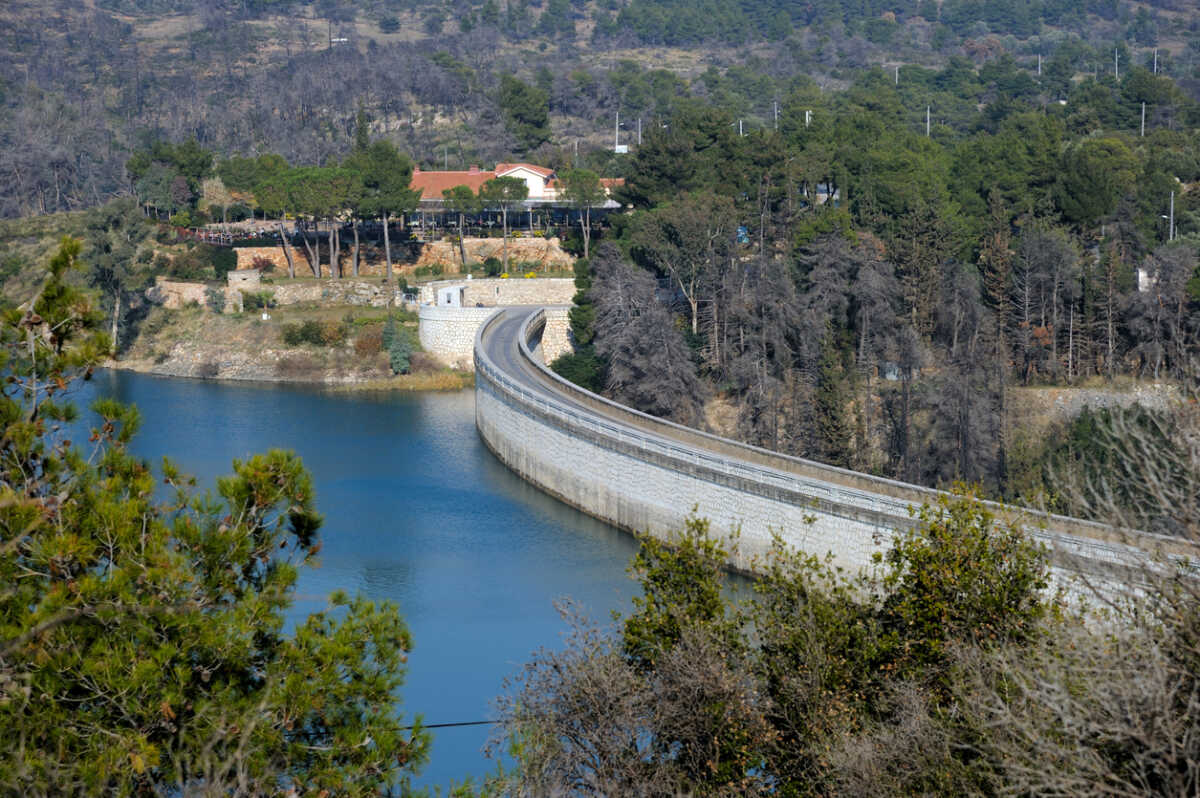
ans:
(502, 168)
(433, 183)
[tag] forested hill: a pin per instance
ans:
(85, 85)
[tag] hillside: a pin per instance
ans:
(84, 85)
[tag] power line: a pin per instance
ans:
(451, 725)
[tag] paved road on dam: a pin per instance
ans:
(850, 504)
(502, 343)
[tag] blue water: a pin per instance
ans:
(416, 511)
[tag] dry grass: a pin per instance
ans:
(445, 380)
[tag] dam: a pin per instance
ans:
(646, 474)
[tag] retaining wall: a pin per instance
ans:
(541, 253)
(632, 476)
(374, 293)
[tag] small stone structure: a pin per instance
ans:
(244, 278)
(556, 337)
(450, 296)
(448, 333)
(452, 310)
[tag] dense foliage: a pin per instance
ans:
(854, 290)
(145, 649)
(779, 694)
(181, 86)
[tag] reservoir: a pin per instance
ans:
(416, 511)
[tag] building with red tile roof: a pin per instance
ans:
(543, 183)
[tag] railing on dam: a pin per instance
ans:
(867, 502)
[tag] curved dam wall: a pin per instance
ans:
(449, 333)
(645, 474)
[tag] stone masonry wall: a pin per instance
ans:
(495, 292)
(338, 292)
(556, 337)
(177, 293)
(540, 253)
(448, 333)
(376, 267)
(246, 256)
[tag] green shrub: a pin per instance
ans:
(214, 298)
(11, 266)
(264, 265)
(389, 24)
(224, 260)
(389, 332)
(492, 266)
(583, 368)
(258, 300)
(400, 352)
(308, 332)
(960, 575)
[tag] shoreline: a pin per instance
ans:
(442, 381)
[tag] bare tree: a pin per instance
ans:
(650, 367)
(591, 724)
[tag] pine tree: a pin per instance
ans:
(833, 422)
(143, 643)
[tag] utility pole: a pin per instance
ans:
(639, 131)
(740, 133)
(807, 117)
(775, 103)
(617, 132)
(1143, 120)
(1155, 60)
(445, 158)
(927, 121)
(1171, 220)
(1117, 63)
(1039, 65)
(897, 74)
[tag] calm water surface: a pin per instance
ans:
(417, 511)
